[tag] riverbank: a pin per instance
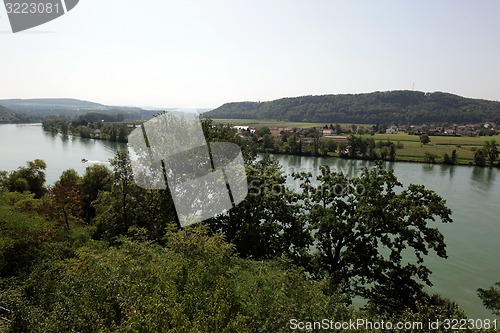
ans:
(307, 141)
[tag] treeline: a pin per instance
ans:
(355, 147)
(9, 117)
(487, 155)
(36, 110)
(392, 107)
(91, 125)
(98, 253)
(311, 143)
(45, 107)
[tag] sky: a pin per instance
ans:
(201, 54)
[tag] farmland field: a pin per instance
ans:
(275, 123)
(414, 150)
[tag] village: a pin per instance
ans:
(339, 133)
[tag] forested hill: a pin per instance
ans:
(403, 107)
(6, 115)
(58, 106)
(43, 107)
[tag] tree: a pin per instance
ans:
(292, 142)
(97, 178)
(447, 159)
(424, 138)
(122, 133)
(480, 157)
(268, 142)
(491, 151)
(67, 200)
(127, 206)
(196, 284)
(362, 225)
(263, 131)
(384, 152)
(454, 156)
(450, 160)
(338, 129)
(30, 178)
(4, 178)
(328, 146)
(491, 298)
(430, 158)
(266, 224)
(392, 152)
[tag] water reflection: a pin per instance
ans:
(448, 170)
(50, 135)
(428, 168)
(64, 140)
(88, 143)
(483, 178)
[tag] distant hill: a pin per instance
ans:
(43, 107)
(6, 115)
(35, 103)
(402, 107)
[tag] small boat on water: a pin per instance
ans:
(84, 160)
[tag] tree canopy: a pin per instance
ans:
(402, 107)
(98, 253)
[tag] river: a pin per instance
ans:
(473, 194)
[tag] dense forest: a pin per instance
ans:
(97, 253)
(32, 110)
(401, 107)
(6, 115)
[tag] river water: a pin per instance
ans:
(472, 193)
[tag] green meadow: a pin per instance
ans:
(275, 123)
(414, 150)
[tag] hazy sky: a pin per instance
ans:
(204, 53)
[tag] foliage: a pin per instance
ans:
(67, 107)
(30, 178)
(403, 107)
(362, 227)
(126, 205)
(96, 179)
(491, 151)
(67, 201)
(430, 158)
(115, 132)
(480, 157)
(491, 298)
(21, 233)
(424, 138)
(265, 224)
(196, 284)
(339, 238)
(450, 160)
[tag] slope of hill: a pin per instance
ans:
(66, 106)
(6, 115)
(49, 102)
(403, 107)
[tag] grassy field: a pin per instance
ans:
(275, 123)
(435, 140)
(413, 150)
